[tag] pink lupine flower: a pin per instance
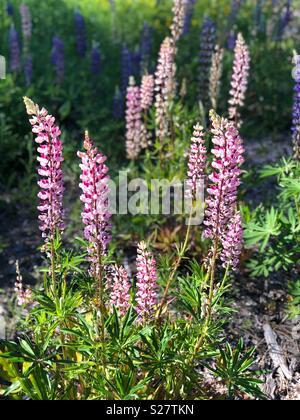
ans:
(146, 296)
(147, 91)
(179, 13)
(96, 215)
(197, 160)
(50, 170)
(232, 242)
(239, 82)
(120, 295)
(133, 120)
(24, 296)
(224, 181)
(164, 86)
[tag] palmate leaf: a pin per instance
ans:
(285, 167)
(260, 233)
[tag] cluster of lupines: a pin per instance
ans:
(27, 32)
(134, 124)
(96, 215)
(80, 28)
(207, 46)
(221, 219)
(146, 47)
(296, 113)
(197, 161)
(14, 49)
(215, 76)
(239, 81)
(50, 170)
(164, 87)
(58, 58)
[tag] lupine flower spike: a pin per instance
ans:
(80, 29)
(207, 46)
(96, 215)
(296, 112)
(133, 121)
(50, 170)
(146, 296)
(239, 82)
(120, 295)
(164, 87)
(58, 58)
(225, 180)
(215, 76)
(179, 13)
(197, 161)
(24, 296)
(14, 49)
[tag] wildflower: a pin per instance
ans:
(179, 12)
(26, 22)
(96, 215)
(58, 58)
(164, 87)
(296, 117)
(14, 49)
(95, 59)
(207, 46)
(24, 296)
(146, 296)
(285, 19)
(232, 243)
(80, 28)
(133, 120)
(10, 9)
(239, 82)
(215, 76)
(50, 170)
(120, 295)
(224, 181)
(190, 7)
(197, 160)
(231, 40)
(126, 68)
(147, 91)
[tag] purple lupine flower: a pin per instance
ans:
(285, 19)
(118, 107)
(296, 112)
(190, 8)
(120, 294)
(80, 28)
(179, 12)
(232, 243)
(28, 69)
(96, 215)
(239, 81)
(50, 170)
(146, 47)
(164, 86)
(207, 46)
(95, 59)
(197, 161)
(147, 91)
(26, 22)
(133, 120)
(225, 180)
(14, 49)
(231, 40)
(136, 60)
(146, 295)
(58, 58)
(259, 19)
(126, 68)
(10, 9)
